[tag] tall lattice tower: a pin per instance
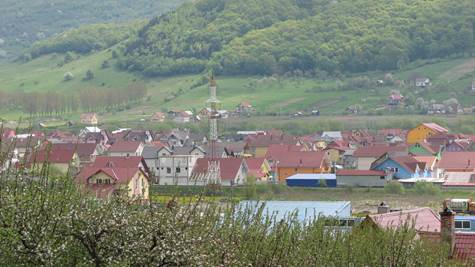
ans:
(213, 104)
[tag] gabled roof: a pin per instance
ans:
(119, 175)
(84, 150)
(125, 146)
(267, 140)
(52, 156)
(435, 127)
(229, 167)
(120, 162)
(305, 159)
(422, 219)
(457, 160)
(254, 166)
(277, 150)
(409, 163)
(377, 151)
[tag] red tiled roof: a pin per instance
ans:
(125, 146)
(457, 160)
(267, 140)
(119, 175)
(359, 173)
(254, 165)
(305, 159)
(121, 162)
(52, 156)
(277, 150)
(84, 150)
(229, 167)
(435, 127)
(423, 219)
(464, 246)
(377, 151)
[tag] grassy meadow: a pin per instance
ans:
(269, 95)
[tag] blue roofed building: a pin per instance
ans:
(312, 180)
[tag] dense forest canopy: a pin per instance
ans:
(280, 36)
(25, 21)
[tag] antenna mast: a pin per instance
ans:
(214, 172)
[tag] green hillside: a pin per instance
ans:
(313, 37)
(24, 21)
(269, 94)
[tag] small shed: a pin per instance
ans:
(312, 180)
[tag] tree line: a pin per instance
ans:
(58, 103)
(311, 36)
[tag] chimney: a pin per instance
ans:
(383, 208)
(447, 227)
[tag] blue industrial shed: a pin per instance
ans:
(312, 180)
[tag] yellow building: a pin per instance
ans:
(424, 131)
(311, 162)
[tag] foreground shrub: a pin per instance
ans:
(425, 188)
(394, 187)
(45, 221)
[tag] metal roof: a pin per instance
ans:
(312, 176)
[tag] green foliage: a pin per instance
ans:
(394, 187)
(299, 37)
(251, 188)
(27, 21)
(50, 222)
(89, 75)
(424, 188)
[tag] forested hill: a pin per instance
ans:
(25, 21)
(307, 36)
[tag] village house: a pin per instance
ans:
(6, 133)
(126, 149)
(63, 161)
(144, 136)
(24, 143)
(258, 145)
(401, 167)
(423, 148)
(424, 131)
(420, 81)
(311, 162)
(365, 156)
(174, 137)
(335, 150)
(89, 118)
(182, 116)
(158, 117)
(244, 107)
(395, 99)
(232, 171)
(461, 164)
(175, 166)
(259, 168)
(110, 176)
(85, 151)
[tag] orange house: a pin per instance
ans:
(424, 131)
(301, 162)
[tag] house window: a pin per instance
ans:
(417, 145)
(107, 181)
(382, 177)
(465, 225)
(99, 181)
(178, 170)
(169, 170)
